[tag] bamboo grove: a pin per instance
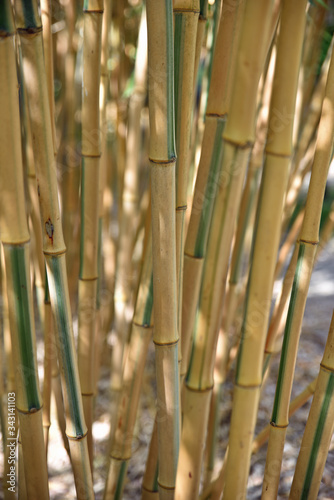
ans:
(153, 160)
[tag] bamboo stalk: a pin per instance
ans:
(141, 334)
(306, 253)
(69, 158)
(278, 149)
(125, 278)
(47, 381)
(100, 324)
(91, 153)
(295, 404)
(186, 21)
(162, 161)
(15, 240)
(214, 489)
(236, 148)
(46, 14)
(150, 488)
(244, 229)
(208, 172)
(318, 431)
(10, 374)
(30, 31)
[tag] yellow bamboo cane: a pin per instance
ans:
(236, 148)
(91, 153)
(308, 242)
(318, 431)
(30, 31)
(162, 160)
(15, 240)
(265, 246)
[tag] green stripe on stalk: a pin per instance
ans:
(6, 19)
(317, 437)
(170, 81)
(46, 290)
(210, 190)
(62, 321)
(148, 305)
(155, 481)
(120, 482)
(203, 8)
(21, 292)
(31, 17)
(285, 347)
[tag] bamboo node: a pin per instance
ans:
(193, 389)
(78, 437)
(165, 343)
(193, 256)
(31, 410)
(180, 10)
(163, 162)
(239, 145)
(309, 242)
(327, 369)
(5, 34)
(273, 424)
(170, 488)
(29, 31)
(183, 208)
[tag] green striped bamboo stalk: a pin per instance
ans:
(289, 241)
(47, 382)
(9, 372)
(318, 431)
(33, 204)
(202, 19)
(162, 161)
(150, 488)
(280, 311)
(208, 172)
(278, 317)
(15, 240)
(141, 334)
(91, 153)
(213, 490)
(125, 278)
(295, 404)
(40, 281)
(245, 226)
(307, 246)
(30, 31)
(186, 21)
(236, 148)
(278, 150)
